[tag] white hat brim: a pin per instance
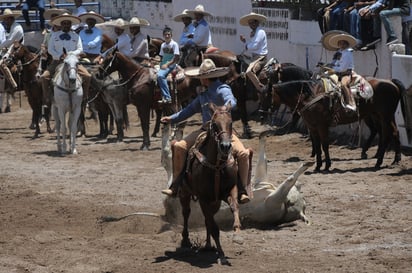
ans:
(48, 12)
(325, 40)
(59, 19)
(99, 19)
(342, 37)
(213, 73)
(244, 20)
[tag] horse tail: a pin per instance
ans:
(400, 86)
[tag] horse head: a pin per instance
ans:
(109, 64)
(70, 64)
(221, 128)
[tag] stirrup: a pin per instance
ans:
(169, 192)
(243, 199)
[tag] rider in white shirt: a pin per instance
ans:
(202, 37)
(91, 36)
(14, 31)
(139, 46)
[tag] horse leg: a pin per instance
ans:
(103, 121)
(144, 115)
(157, 124)
(373, 132)
(118, 116)
(318, 152)
(47, 118)
(396, 143)
(185, 203)
(212, 229)
(324, 139)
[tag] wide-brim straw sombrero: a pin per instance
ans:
(199, 9)
(325, 40)
(120, 23)
(342, 37)
(244, 20)
(207, 70)
(91, 15)
(48, 13)
(138, 22)
(10, 13)
(65, 17)
(185, 13)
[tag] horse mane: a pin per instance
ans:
(291, 72)
(32, 49)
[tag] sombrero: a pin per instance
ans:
(65, 17)
(137, 22)
(10, 13)
(342, 37)
(244, 20)
(199, 9)
(325, 40)
(179, 17)
(91, 15)
(53, 12)
(120, 23)
(206, 70)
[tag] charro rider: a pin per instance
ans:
(343, 65)
(139, 46)
(64, 39)
(256, 46)
(201, 37)
(188, 29)
(219, 94)
(91, 36)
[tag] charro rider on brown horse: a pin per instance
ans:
(220, 94)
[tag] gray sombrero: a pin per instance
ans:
(138, 22)
(244, 20)
(91, 15)
(179, 17)
(199, 9)
(334, 40)
(206, 70)
(53, 12)
(65, 17)
(10, 13)
(325, 40)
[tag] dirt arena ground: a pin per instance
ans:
(49, 206)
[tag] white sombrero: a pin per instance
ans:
(325, 40)
(91, 15)
(53, 12)
(65, 17)
(244, 20)
(120, 23)
(206, 70)
(10, 13)
(199, 9)
(185, 13)
(342, 37)
(138, 22)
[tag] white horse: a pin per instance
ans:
(68, 95)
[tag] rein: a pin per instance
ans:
(31, 60)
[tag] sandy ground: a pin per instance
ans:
(49, 206)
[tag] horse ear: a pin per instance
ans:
(21, 40)
(64, 51)
(212, 107)
(229, 106)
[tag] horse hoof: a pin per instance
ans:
(154, 135)
(186, 243)
(222, 261)
(144, 148)
(364, 156)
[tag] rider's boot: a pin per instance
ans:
(178, 158)
(254, 79)
(243, 160)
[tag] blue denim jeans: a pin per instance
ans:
(33, 4)
(162, 81)
(385, 15)
(336, 16)
(354, 20)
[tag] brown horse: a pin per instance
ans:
(140, 83)
(321, 111)
(211, 178)
(31, 85)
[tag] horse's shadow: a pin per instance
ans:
(51, 153)
(194, 256)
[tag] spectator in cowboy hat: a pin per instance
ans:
(60, 40)
(202, 37)
(28, 4)
(139, 46)
(188, 29)
(256, 46)
(219, 94)
(91, 36)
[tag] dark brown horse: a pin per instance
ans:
(321, 111)
(211, 178)
(140, 83)
(31, 85)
